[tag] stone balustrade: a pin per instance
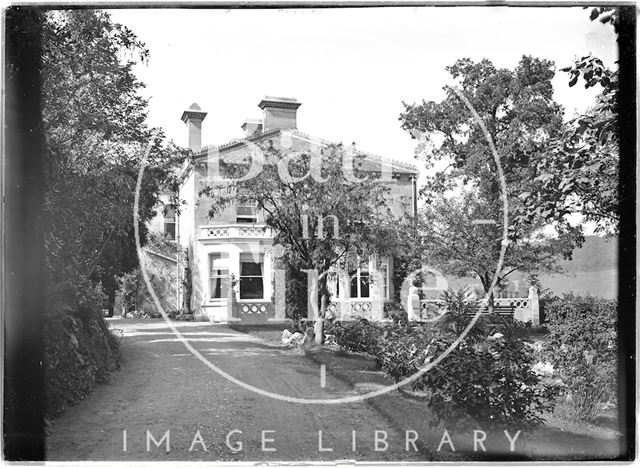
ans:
(235, 231)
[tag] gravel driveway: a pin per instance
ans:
(163, 387)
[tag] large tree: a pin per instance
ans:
(357, 203)
(581, 172)
(522, 120)
(517, 109)
(95, 125)
(462, 235)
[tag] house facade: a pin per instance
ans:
(231, 257)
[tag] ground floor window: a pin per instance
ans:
(251, 276)
(383, 268)
(219, 280)
(170, 222)
(360, 279)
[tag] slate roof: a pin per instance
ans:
(374, 159)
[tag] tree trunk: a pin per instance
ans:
(318, 328)
(486, 284)
(111, 302)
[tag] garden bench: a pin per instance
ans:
(499, 310)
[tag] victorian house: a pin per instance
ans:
(231, 257)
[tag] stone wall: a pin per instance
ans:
(163, 275)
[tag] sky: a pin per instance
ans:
(350, 68)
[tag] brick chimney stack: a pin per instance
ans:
(251, 127)
(279, 112)
(193, 117)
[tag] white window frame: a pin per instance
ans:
(247, 218)
(386, 277)
(223, 258)
(169, 217)
(260, 258)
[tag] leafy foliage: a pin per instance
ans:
(581, 172)
(360, 336)
(94, 122)
(518, 110)
(522, 120)
(583, 347)
(80, 352)
(490, 382)
(127, 294)
(461, 306)
(450, 241)
(402, 350)
(486, 380)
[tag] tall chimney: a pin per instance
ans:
(193, 117)
(279, 112)
(251, 127)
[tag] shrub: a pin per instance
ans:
(80, 350)
(126, 295)
(460, 308)
(360, 336)
(396, 313)
(402, 350)
(583, 347)
(490, 382)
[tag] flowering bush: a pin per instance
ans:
(490, 382)
(583, 348)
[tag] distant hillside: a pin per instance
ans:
(593, 270)
(596, 254)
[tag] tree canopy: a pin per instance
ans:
(580, 174)
(522, 120)
(517, 108)
(95, 125)
(319, 222)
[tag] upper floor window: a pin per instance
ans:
(246, 213)
(170, 222)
